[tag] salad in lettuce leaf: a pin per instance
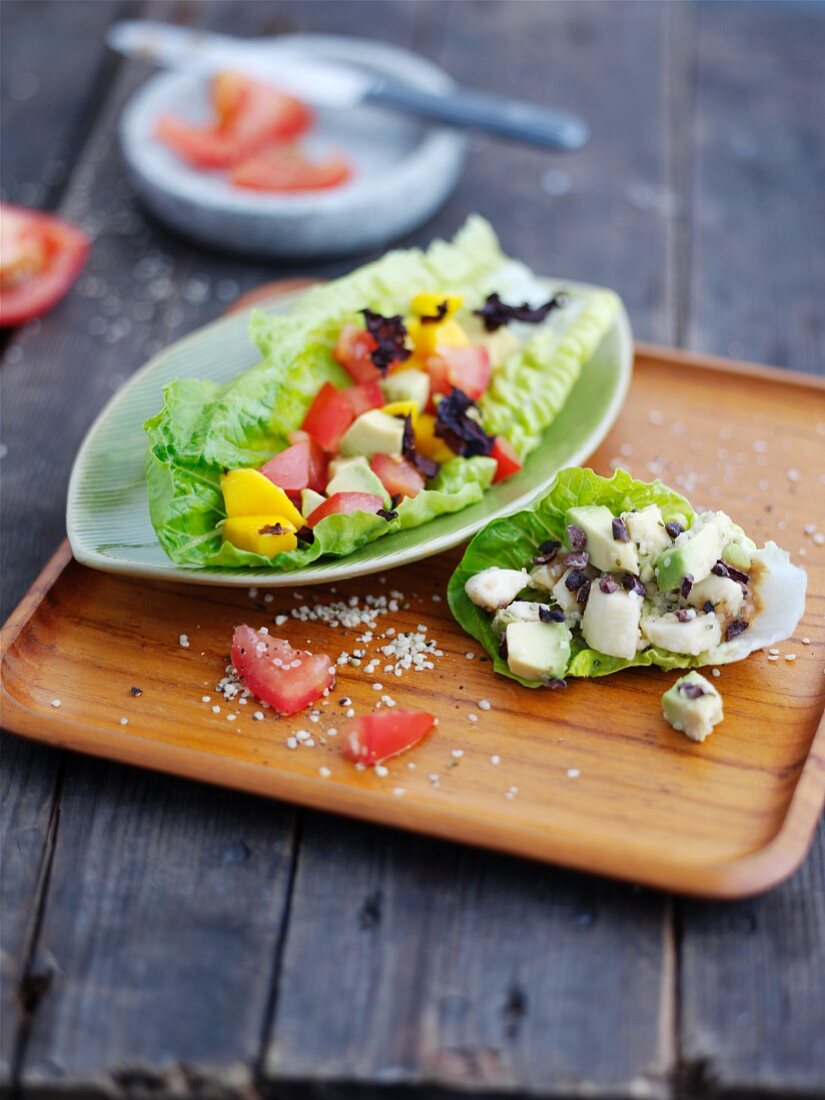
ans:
(383, 399)
(603, 574)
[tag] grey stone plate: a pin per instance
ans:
(404, 170)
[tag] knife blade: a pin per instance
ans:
(328, 83)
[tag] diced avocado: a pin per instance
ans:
(647, 529)
(519, 611)
(339, 464)
(494, 588)
(605, 551)
(373, 432)
(725, 595)
(610, 622)
(737, 555)
(310, 500)
(695, 552)
(538, 651)
(407, 385)
(694, 636)
(357, 477)
(693, 706)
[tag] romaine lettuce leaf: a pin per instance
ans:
(511, 542)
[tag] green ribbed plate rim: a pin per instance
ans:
(107, 515)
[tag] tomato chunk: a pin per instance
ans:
(506, 457)
(249, 116)
(398, 478)
(353, 350)
(329, 416)
(286, 678)
(301, 466)
(40, 258)
(383, 734)
(345, 504)
(286, 169)
(365, 397)
(467, 369)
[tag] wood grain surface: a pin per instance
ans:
(701, 203)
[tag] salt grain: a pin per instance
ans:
(124, 721)
(573, 773)
(381, 771)
(458, 753)
(183, 641)
(495, 759)
(55, 702)
(325, 772)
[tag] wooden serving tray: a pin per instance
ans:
(591, 777)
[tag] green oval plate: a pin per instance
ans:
(107, 514)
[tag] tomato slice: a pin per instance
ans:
(329, 416)
(467, 369)
(286, 169)
(383, 734)
(286, 678)
(345, 504)
(398, 478)
(353, 350)
(301, 466)
(249, 116)
(506, 457)
(365, 397)
(40, 258)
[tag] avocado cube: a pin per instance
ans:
(538, 651)
(693, 706)
(374, 432)
(409, 384)
(695, 552)
(310, 500)
(357, 477)
(606, 552)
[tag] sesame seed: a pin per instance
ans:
(216, 709)
(231, 717)
(573, 773)
(773, 656)
(790, 656)
(258, 716)
(350, 713)
(819, 539)
(806, 641)
(303, 735)
(472, 717)
(381, 771)
(55, 703)
(205, 698)
(332, 732)
(458, 753)
(774, 651)
(470, 656)
(398, 791)
(124, 721)
(291, 743)
(793, 475)
(377, 687)
(183, 641)
(281, 619)
(325, 772)
(485, 704)
(495, 759)
(715, 672)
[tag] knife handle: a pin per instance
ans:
(511, 118)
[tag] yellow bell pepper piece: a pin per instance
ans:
(255, 533)
(251, 493)
(427, 442)
(403, 408)
(427, 339)
(426, 305)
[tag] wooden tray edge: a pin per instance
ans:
(682, 358)
(751, 874)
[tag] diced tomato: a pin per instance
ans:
(268, 668)
(345, 504)
(353, 350)
(383, 734)
(250, 115)
(329, 416)
(281, 168)
(365, 397)
(506, 457)
(40, 258)
(398, 478)
(467, 369)
(301, 466)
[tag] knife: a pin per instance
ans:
(326, 83)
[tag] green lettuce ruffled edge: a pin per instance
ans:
(511, 542)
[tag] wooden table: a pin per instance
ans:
(161, 937)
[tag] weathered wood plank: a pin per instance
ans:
(752, 975)
(416, 963)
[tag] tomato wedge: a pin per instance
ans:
(365, 397)
(506, 457)
(353, 350)
(40, 258)
(301, 466)
(282, 168)
(345, 504)
(399, 478)
(383, 734)
(329, 416)
(249, 116)
(286, 678)
(467, 369)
